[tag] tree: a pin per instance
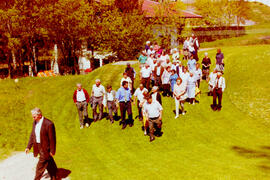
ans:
(69, 23)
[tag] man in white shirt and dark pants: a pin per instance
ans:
(98, 91)
(139, 96)
(218, 90)
(110, 102)
(81, 99)
(145, 76)
(153, 112)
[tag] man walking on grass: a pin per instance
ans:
(43, 141)
(81, 99)
(98, 92)
(153, 111)
(123, 97)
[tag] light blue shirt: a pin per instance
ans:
(123, 95)
(191, 65)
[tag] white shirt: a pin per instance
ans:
(154, 96)
(153, 109)
(177, 90)
(184, 77)
(80, 96)
(220, 83)
(149, 52)
(128, 80)
(139, 93)
(98, 91)
(198, 73)
(176, 56)
(110, 96)
(166, 77)
(164, 58)
(158, 70)
(212, 77)
(165, 64)
(38, 128)
(146, 72)
(150, 61)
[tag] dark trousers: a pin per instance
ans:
(45, 162)
(152, 123)
(166, 89)
(198, 82)
(217, 93)
(146, 83)
(97, 101)
(139, 110)
(126, 107)
(158, 81)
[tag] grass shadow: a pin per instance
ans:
(262, 152)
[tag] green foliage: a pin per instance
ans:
(222, 12)
(125, 33)
(233, 143)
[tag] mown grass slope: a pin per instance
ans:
(231, 144)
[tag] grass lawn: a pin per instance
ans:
(231, 144)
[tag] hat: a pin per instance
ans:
(148, 42)
(206, 53)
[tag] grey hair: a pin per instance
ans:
(79, 84)
(36, 111)
(97, 80)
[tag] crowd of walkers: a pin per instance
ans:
(169, 73)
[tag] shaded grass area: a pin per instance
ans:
(200, 145)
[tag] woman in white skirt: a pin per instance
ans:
(191, 87)
(180, 95)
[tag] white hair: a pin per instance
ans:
(79, 84)
(36, 111)
(206, 53)
(97, 80)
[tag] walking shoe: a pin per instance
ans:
(112, 121)
(87, 125)
(152, 139)
(176, 117)
(183, 113)
(145, 133)
(124, 126)
(81, 127)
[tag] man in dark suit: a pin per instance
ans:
(43, 141)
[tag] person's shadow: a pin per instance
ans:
(61, 173)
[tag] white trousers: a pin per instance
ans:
(177, 103)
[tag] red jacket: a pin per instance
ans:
(85, 93)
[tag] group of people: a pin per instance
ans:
(160, 71)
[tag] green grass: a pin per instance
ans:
(231, 144)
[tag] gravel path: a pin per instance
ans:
(20, 167)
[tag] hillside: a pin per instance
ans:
(230, 144)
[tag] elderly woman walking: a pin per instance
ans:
(180, 96)
(191, 88)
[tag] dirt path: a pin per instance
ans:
(20, 167)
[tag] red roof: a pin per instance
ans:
(149, 7)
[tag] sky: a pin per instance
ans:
(267, 2)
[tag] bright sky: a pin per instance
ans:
(267, 2)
